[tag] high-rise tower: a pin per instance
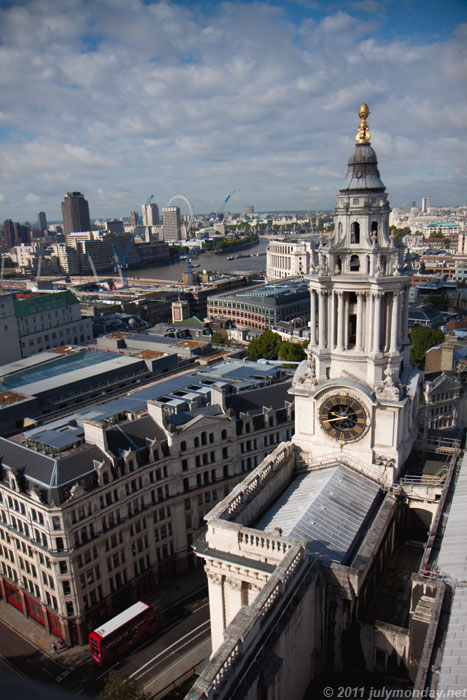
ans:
(75, 211)
(357, 392)
(172, 224)
(150, 214)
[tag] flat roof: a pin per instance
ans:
(326, 507)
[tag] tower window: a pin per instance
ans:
(355, 233)
(374, 228)
(339, 229)
(339, 265)
(368, 264)
(354, 263)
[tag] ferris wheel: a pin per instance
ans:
(190, 216)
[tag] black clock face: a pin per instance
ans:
(343, 417)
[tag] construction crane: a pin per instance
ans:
(121, 261)
(220, 213)
(146, 204)
(93, 267)
(39, 266)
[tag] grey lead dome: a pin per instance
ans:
(363, 173)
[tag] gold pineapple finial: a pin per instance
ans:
(363, 135)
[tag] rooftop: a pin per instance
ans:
(327, 508)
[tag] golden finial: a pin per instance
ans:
(363, 135)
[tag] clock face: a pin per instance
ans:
(343, 417)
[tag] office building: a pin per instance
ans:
(425, 205)
(41, 220)
(264, 306)
(14, 233)
(288, 259)
(150, 214)
(98, 508)
(75, 211)
(172, 226)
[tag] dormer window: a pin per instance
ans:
(355, 233)
(354, 263)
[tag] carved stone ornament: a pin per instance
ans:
(234, 583)
(391, 387)
(214, 578)
(309, 378)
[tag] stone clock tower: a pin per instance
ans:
(356, 395)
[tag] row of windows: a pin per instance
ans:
(203, 439)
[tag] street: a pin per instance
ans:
(184, 626)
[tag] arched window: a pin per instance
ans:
(383, 263)
(374, 228)
(339, 229)
(368, 264)
(338, 265)
(355, 232)
(354, 263)
(183, 446)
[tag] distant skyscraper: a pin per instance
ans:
(14, 233)
(425, 205)
(172, 225)
(248, 210)
(75, 210)
(134, 218)
(9, 233)
(150, 215)
(41, 220)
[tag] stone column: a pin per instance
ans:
(346, 322)
(405, 316)
(330, 309)
(216, 609)
(394, 323)
(233, 597)
(377, 322)
(322, 320)
(332, 325)
(358, 342)
(312, 317)
(340, 321)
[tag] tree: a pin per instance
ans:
(439, 302)
(266, 345)
(217, 339)
(424, 338)
(120, 687)
(293, 352)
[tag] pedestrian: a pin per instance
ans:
(54, 648)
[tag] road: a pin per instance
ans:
(185, 625)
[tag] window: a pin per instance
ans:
(355, 233)
(354, 263)
(63, 567)
(183, 446)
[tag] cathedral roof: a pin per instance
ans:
(362, 172)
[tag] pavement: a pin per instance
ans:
(161, 598)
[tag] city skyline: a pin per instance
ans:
(120, 100)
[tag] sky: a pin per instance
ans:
(121, 99)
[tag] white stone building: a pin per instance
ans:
(295, 554)
(98, 508)
(288, 259)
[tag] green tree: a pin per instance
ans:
(293, 352)
(120, 687)
(266, 345)
(424, 338)
(439, 302)
(436, 234)
(217, 339)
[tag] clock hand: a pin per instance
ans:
(330, 420)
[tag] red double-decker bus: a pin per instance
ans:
(122, 632)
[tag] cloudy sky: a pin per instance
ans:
(121, 99)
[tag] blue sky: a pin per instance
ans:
(121, 99)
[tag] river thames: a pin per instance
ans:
(211, 263)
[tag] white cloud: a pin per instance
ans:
(32, 198)
(122, 98)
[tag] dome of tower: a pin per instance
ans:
(362, 172)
